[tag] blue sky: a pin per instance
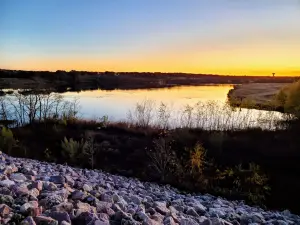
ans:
(151, 35)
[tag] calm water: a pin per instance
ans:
(192, 106)
(117, 103)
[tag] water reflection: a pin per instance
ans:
(117, 103)
(187, 106)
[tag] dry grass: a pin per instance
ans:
(260, 93)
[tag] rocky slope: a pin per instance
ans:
(33, 192)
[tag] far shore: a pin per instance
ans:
(255, 95)
(61, 81)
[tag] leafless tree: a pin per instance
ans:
(163, 158)
(36, 107)
(143, 113)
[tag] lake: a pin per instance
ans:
(203, 106)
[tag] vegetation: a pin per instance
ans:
(289, 98)
(7, 140)
(224, 155)
(72, 149)
(60, 81)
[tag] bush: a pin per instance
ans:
(72, 149)
(197, 167)
(90, 151)
(197, 159)
(247, 183)
(289, 98)
(163, 158)
(7, 140)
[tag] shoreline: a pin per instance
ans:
(255, 96)
(61, 81)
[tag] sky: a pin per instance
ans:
(256, 37)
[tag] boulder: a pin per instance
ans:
(7, 183)
(135, 199)
(169, 221)
(45, 220)
(189, 221)
(199, 208)
(50, 186)
(5, 191)
(50, 201)
(192, 212)
(65, 223)
(103, 206)
(106, 198)
(78, 195)
(31, 208)
(6, 199)
(120, 215)
(18, 177)
(69, 180)
(34, 192)
(38, 185)
(161, 207)
(4, 210)
(60, 216)
(57, 179)
(252, 218)
(85, 218)
(63, 207)
(85, 207)
(87, 188)
(28, 221)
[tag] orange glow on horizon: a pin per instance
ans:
(229, 60)
(93, 65)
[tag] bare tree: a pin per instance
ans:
(163, 158)
(143, 113)
(36, 107)
(164, 115)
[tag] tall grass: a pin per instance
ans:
(209, 115)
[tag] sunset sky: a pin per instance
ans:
(254, 37)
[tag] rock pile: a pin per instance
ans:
(33, 192)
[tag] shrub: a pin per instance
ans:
(281, 98)
(247, 183)
(7, 140)
(289, 98)
(197, 167)
(163, 158)
(90, 151)
(197, 159)
(292, 103)
(71, 148)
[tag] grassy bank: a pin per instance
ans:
(256, 96)
(273, 97)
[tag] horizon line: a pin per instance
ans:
(187, 73)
